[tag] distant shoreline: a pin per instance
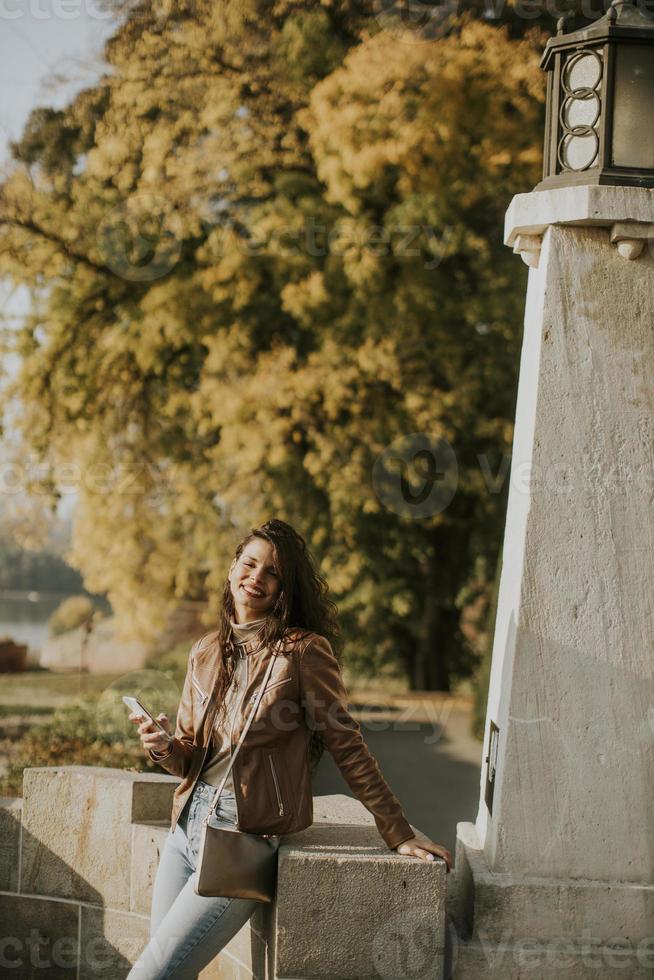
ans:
(38, 594)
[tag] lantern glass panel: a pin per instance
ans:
(579, 152)
(633, 107)
(582, 71)
(580, 110)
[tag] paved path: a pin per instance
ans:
(428, 757)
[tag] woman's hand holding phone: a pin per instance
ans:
(152, 738)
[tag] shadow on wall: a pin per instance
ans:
(41, 936)
(66, 876)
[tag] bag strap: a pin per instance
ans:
(260, 694)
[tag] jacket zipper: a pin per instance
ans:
(271, 687)
(203, 694)
(279, 795)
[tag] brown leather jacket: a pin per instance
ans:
(272, 783)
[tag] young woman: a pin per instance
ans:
(273, 597)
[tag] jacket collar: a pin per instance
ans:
(252, 646)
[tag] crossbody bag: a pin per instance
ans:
(232, 863)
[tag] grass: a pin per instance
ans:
(40, 687)
(11, 710)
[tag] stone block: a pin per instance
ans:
(526, 908)
(358, 912)
(77, 827)
(245, 956)
(147, 843)
(10, 819)
(152, 797)
(39, 938)
(336, 808)
(110, 942)
(547, 961)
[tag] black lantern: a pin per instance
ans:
(599, 126)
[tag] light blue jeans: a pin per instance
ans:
(187, 930)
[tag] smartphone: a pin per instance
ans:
(137, 708)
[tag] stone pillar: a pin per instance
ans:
(567, 851)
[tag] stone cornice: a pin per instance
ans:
(627, 211)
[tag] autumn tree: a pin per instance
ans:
(265, 254)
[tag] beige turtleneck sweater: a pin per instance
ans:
(220, 751)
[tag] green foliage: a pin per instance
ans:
(482, 675)
(307, 47)
(75, 735)
(480, 692)
(47, 688)
(227, 324)
(71, 613)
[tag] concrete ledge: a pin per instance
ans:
(532, 213)
(89, 848)
(338, 819)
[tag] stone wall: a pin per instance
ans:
(78, 856)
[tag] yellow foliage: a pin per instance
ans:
(258, 371)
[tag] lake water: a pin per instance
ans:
(25, 619)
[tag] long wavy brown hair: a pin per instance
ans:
(303, 602)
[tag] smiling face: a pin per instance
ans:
(254, 580)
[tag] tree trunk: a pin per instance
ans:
(439, 624)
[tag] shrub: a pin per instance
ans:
(77, 735)
(71, 613)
